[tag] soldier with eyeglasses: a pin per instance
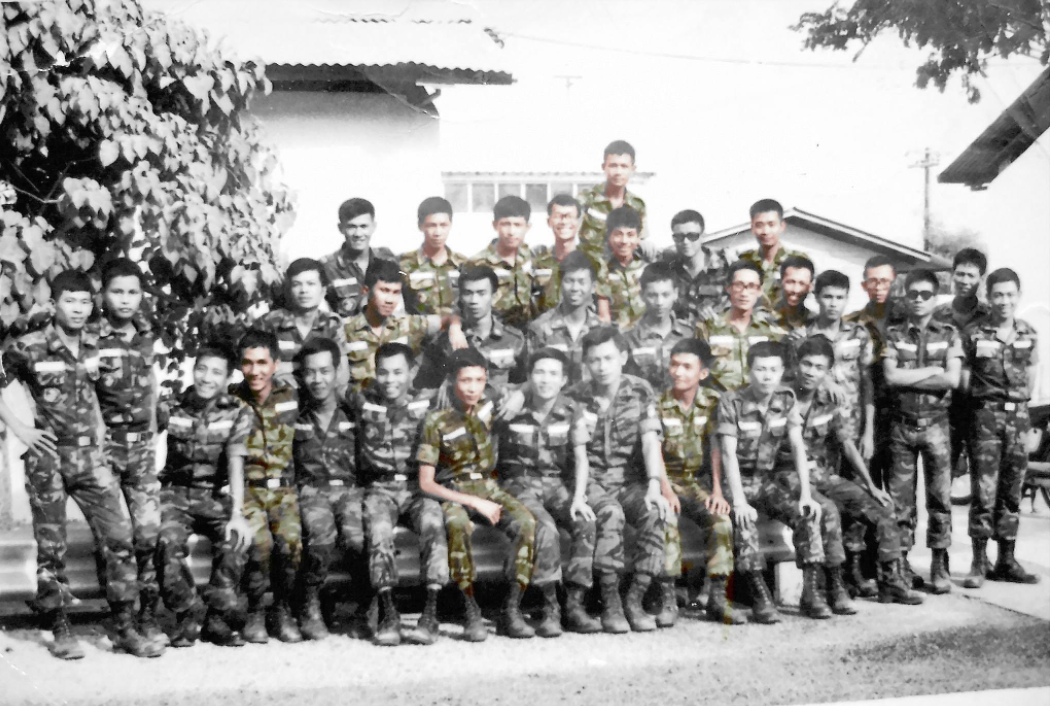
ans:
(700, 273)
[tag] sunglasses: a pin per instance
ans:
(691, 237)
(917, 294)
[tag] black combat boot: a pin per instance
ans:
(812, 604)
(126, 637)
(188, 625)
(720, 608)
(388, 633)
(255, 625)
(637, 618)
(940, 581)
(550, 626)
(284, 624)
(668, 615)
(838, 596)
(512, 622)
(892, 586)
(1006, 566)
(217, 630)
(311, 622)
(763, 609)
(426, 630)
(65, 645)
(856, 583)
(613, 619)
(909, 576)
(474, 629)
(979, 566)
(148, 627)
(577, 619)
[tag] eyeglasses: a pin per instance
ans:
(917, 294)
(745, 287)
(880, 283)
(691, 237)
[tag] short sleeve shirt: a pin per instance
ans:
(273, 432)
(125, 384)
(202, 437)
(729, 347)
(759, 430)
(388, 436)
(685, 432)
(650, 352)
(458, 444)
(513, 298)
(914, 348)
(596, 208)
(362, 342)
(854, 355)
(325, 453)
(999, 368)
(823, 424)
(625, 292)
(345, 279)
(552, 329)
(282, 323)
(547, 280)
(530, 446)
(431, 288)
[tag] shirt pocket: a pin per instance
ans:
(542, 276)
(646, 356)
(937, 352)
(848, 351)
(778, 427)
(558, 434)
(721, 345)
(907, 353)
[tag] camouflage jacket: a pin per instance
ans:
(914, 348)
(325, 454)
(876, 319)
(770, 270)
(458, 444)
(625, 292)
(596, 208)
(362, 342)
(551, 329)
(854, 355)
(125, 384)
(547, 280)
(686, 432)
(345, 279)
(999, 369)
(823, 424)
(650, 353)
(273, 432)
(513, 299)
(503, 348)
(202, 437)
(534, 446)
(282, 323)
(706, 290)
(430, 288)
(729, 347)
(947, 314)
(759, 431)
(388, 436)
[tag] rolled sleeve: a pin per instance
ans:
(726, 418)
(429, 452)
(237, 443)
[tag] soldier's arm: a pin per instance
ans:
(427, 485)
(806, 504)
(947, 379)
(744, 512)
(900, 377)
(582, 477)
(652, 454)
(12, 367)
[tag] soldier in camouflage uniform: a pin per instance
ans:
(650, 340)
(752, 424)
(687, 416)
(626, 473)
(700, 275)
(59, 367)
(456, 464)
(625, 267)
(1001, 365)
(271, 505)
(543, 463)
(345, 268)
(565, 325)
(125, 388)
(796, 280)
(330, 499)
(510, 258)
(922, 363)
(601, 200)
(732, 333)
(767, 225)
(389, 414)
(431, 273)
(202, 492)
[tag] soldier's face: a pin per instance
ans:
(511, 231)
(965, 280)
(393, 377)
(546, 379)
(744, 290)
(385, 296)
(877, 283)
(796, 284)
(660, 297)
(470, 385)
(767, 228)
(123, 296)
(687, 239)
(921, 298)
(687, 370)
(258, 368)
(605, 363)
(358, 232)
(618, 169)
(832, 302)
(475, 299)
(306, 290)
(72, 310)
(577, 288)
(564, 222)
(318, 375)
(812, 370)
(1003, 299)
(210, 374)
(766, 374)
(435, 229)
(623, 242)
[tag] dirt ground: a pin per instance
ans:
(952, 644)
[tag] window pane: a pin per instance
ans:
(536, 195)
(457, 196)
(509, 190)
(484, 197)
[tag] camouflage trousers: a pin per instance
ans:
(134, 464)
(928, 437)
(609, 556)
(273, 518)
(386, 504)
(859, 511)
(333, 528)
(830, 518)
(961, 429)
(515, 521)
(1000, 462)
(717, 531)
(80, 473)
(773, 496)
(201, 511)
(549, 500)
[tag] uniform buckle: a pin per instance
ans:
(273, 483)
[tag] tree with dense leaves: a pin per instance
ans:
(123, 133)
(962, 34)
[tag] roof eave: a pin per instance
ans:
(386, 74)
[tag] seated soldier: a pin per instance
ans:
(650, 340)
(456, 461)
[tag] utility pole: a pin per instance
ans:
(928, 162)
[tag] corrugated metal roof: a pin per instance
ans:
(430, 36)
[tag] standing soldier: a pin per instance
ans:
(767, 225)
(346, 267)
(625, 267)
(1001, 356)
(700, 275)
(510, 258)
(796, 279)
(563, 217)
(59, 367)
(202, 492)
(651, 339)
(271, 505)
(431, 273)
(922, 364)
(618, 164)
(389, 415)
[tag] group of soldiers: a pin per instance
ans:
(584, 387)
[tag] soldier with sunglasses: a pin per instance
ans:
(700, 274)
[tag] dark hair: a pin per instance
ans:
(765, 206)
(259, 338)
(618, 147)
(563, 200)
(1003, 274)
(511, 207)
(430, 206)
(601, 335)
(799, 263)
(694, 346)
(574, 262)
(352, 208)
(219, 348)
(831, 278)
(477, 274)
(817, 345)
(552, 354)
(744, 265)
(382, 271)
(392, 350)
(921, 274)
(71, 281)
(878, 261)
(657, 272)
(305, 264)
(121, 267)
(464, 358)
(971, 256)
(316, 346)
(688, 216)
(766, 349)
(623, 217)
